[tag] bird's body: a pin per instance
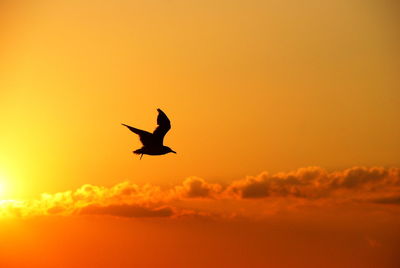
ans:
(153, 150)
(153, 142)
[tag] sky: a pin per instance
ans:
(284, 118)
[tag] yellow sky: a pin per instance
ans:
(248, 86)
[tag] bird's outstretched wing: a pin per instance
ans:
(163, 126)
(145, 137)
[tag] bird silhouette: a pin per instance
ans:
(153, 143)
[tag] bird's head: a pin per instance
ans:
(169, 150)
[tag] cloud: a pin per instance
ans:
(194, 187)
(124, 210)
(358, 176)
(309, 186)
(394, 200)
(315, 182)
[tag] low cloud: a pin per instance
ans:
(195, 196)
(391, 200)
(125, 210)
(315, 182)
(194, 187)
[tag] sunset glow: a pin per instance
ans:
(3, 185)
(1, 188)
(284, 116)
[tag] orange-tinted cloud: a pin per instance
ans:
(124, 210)
(195, 196)
(315, 182)
(194, 187)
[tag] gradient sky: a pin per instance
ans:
(266, 85)
(249, 86)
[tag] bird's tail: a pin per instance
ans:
(138, 151)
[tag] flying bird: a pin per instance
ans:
(153, 143)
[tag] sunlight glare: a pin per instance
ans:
(3, 187)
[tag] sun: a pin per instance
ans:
(3, 186)
(7, 185)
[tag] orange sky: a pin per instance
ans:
(250, 87)
(306, 218)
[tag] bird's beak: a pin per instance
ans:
(173, 152)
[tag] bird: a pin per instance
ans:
(153, 143)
